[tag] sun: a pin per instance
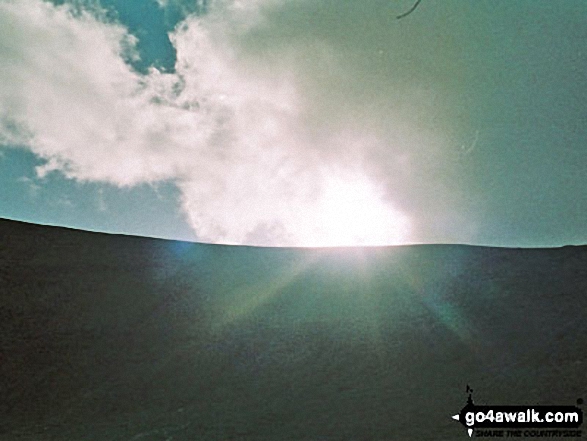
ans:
(352, 211)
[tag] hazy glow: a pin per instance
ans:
(351, 212)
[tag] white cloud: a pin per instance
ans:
(241, 139)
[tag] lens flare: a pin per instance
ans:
(352, 211)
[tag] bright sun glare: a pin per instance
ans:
(352, 212)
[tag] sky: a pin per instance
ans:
(297, 122)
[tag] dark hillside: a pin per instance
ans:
(106, 337)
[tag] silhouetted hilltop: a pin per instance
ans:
(107, 337)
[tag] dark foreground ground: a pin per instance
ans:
(107, 337)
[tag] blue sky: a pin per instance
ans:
(276, 122)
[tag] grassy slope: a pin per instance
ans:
(108, 337)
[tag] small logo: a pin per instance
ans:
(511, 420)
